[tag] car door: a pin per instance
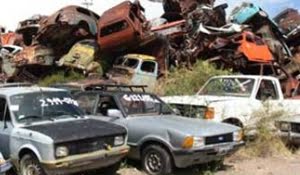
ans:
(5, 128)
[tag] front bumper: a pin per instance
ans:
(186, 158)
(5, 167)
(290, 137)
(85, 162)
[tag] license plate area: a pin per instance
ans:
(222, 150)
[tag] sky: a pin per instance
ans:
(13, 11)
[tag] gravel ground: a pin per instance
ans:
(237, 166)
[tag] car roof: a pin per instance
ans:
(10, 91)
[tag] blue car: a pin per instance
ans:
(245, 12)
(4, 165)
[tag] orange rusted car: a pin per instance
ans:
(122, 26)
(253, 48)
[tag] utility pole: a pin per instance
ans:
(87, 3)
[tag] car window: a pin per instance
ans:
(2, 108)
(131, 62)
(87, 102)
(267, 90)
(83, 11)
(4, 111)
(105, 103)
(148, 66)
(113, 28)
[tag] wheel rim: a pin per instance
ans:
(154, 162)
(32, 170)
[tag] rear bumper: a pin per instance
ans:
(85, 162)
(186, 158)
(290, 137)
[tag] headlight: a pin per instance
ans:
(61, 151)
(119, 140)
(238, 136)
(198, 142)
(209, 113)
(193, 142)
(284, 126)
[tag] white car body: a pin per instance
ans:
(241, 110)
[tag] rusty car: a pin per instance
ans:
(122, 26)
(83, 56)
(66, 26)
(28, 28)
(34, 55)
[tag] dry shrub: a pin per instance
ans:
(266, 142)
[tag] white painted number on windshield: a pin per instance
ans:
(57, 101)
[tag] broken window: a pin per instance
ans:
(113, 28)
(132, 63)
(148, 66)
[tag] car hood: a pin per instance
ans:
(202, 100)
(187, 126)
(77, 130)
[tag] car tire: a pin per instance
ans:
(29, 165)
(156, 160)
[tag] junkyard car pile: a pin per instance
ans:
(79, 39)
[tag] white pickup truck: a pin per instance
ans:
(234, 99)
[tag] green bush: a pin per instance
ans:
(61, 77)
(182, 81)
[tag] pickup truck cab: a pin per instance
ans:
(234, 99)
(43, 131)
(135, 69)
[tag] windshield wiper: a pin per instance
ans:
(58, 114)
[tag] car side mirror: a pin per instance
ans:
(114, 113)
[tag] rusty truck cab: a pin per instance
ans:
(121, 25)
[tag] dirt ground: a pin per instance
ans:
(238, 166)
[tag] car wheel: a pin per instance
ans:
(156, 160)
(29, 165)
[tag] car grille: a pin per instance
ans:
(191, 111)
(295, 127)
(219, 139)
(89, 145)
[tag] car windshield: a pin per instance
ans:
(237, 87)
(143, 104)
(128, 62)
(46, 105)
